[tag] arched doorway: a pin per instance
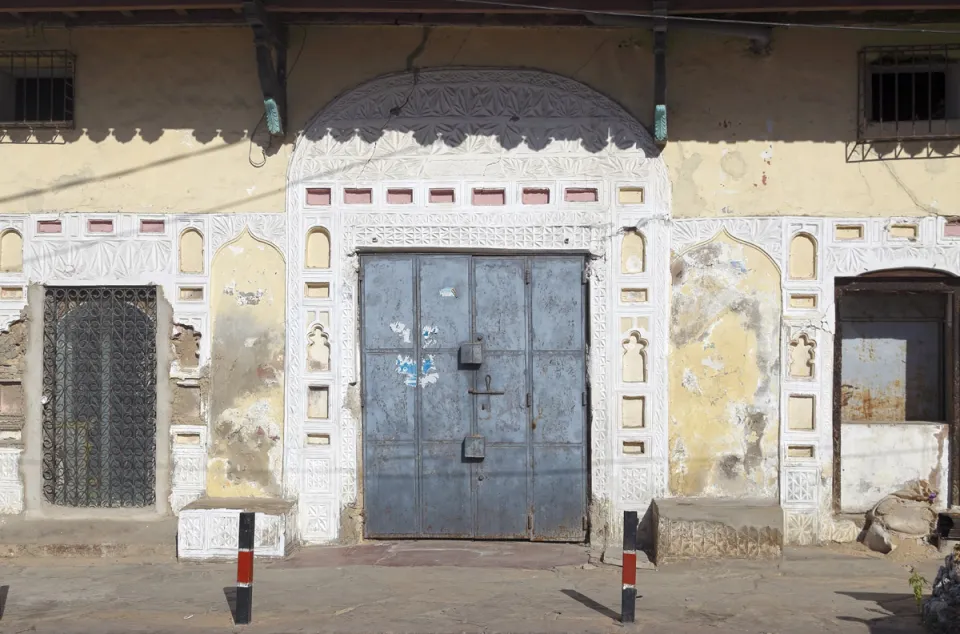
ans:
(478, 163)
(895, 397)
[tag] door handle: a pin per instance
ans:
(489, 392)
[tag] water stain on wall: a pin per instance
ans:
(724, 372)
(246, 401)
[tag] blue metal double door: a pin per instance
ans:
(474, 397)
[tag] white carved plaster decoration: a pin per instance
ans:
(11, 489)
(212, 534)
(459, 129)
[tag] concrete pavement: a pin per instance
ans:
(427, 587)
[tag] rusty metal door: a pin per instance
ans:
(474, 393)
(99, 396)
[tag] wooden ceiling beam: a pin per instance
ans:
(449, 7)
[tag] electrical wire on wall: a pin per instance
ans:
(504, 4)
(256, 128)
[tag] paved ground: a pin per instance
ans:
(428, 587)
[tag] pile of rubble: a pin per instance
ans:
(941, 612)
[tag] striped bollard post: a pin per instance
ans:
(628, 601)
(244, 610)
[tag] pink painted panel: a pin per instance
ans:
(100, 226)
(443, 196)
(952, 228)
(580, 195)
(489, 197)
(152, 226)
(399, 196)
(358, 196)
(49, 226)
(318, 197)
(536, 196)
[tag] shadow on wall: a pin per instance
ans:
(183, 88)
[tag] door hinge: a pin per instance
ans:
(360, 274)
(529, 400)
(583, 398)
(526, 273)
(583, 276)
(529, 522)
(584, 523)
(950, 309)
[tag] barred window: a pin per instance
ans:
(909, 92)
(36, 89)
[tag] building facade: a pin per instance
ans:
(469, 294)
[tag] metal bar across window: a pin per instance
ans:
(36, 89)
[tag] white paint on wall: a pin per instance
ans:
(879, 459)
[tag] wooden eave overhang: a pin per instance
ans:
(566, 12)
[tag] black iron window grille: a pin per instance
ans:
(99, 396)
(909, 92)
(37, 89)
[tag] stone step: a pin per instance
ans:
(718, 528)
(208, 528)
(27, 537)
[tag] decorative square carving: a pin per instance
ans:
(800, 486)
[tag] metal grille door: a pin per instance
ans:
(99, 396)
(474, 397)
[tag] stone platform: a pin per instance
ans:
(208, 528)
(716, 529)
(112, 538)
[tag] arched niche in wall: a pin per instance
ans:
(803, 257)
(191, 251)
(318, 249)
(11, 251)
(634, 366)
(633, 256)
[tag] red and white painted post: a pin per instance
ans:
(628, 601)
(244, 609)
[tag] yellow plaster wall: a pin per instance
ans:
(246, 417)
(164, 116)
(724, 372)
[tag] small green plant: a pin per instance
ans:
(917, 582)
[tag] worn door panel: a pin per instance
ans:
(390, 402)
(558, 486)
(559, 398)
(389, 387)
(500, 300)
(557, 303)
(444, 302)
(502, 418)
(445, 490)
(390, 487)
(502, 479)
(445, 413)
(892, 371)
(388, 303)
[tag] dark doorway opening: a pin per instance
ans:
(895, 392)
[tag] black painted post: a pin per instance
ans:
(628, 601)
(244, 610)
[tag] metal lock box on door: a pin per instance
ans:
(474, 385)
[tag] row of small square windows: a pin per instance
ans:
(479, 196)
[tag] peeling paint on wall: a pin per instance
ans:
(724, 372)
(246, 402)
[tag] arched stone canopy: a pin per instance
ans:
(464, 128)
